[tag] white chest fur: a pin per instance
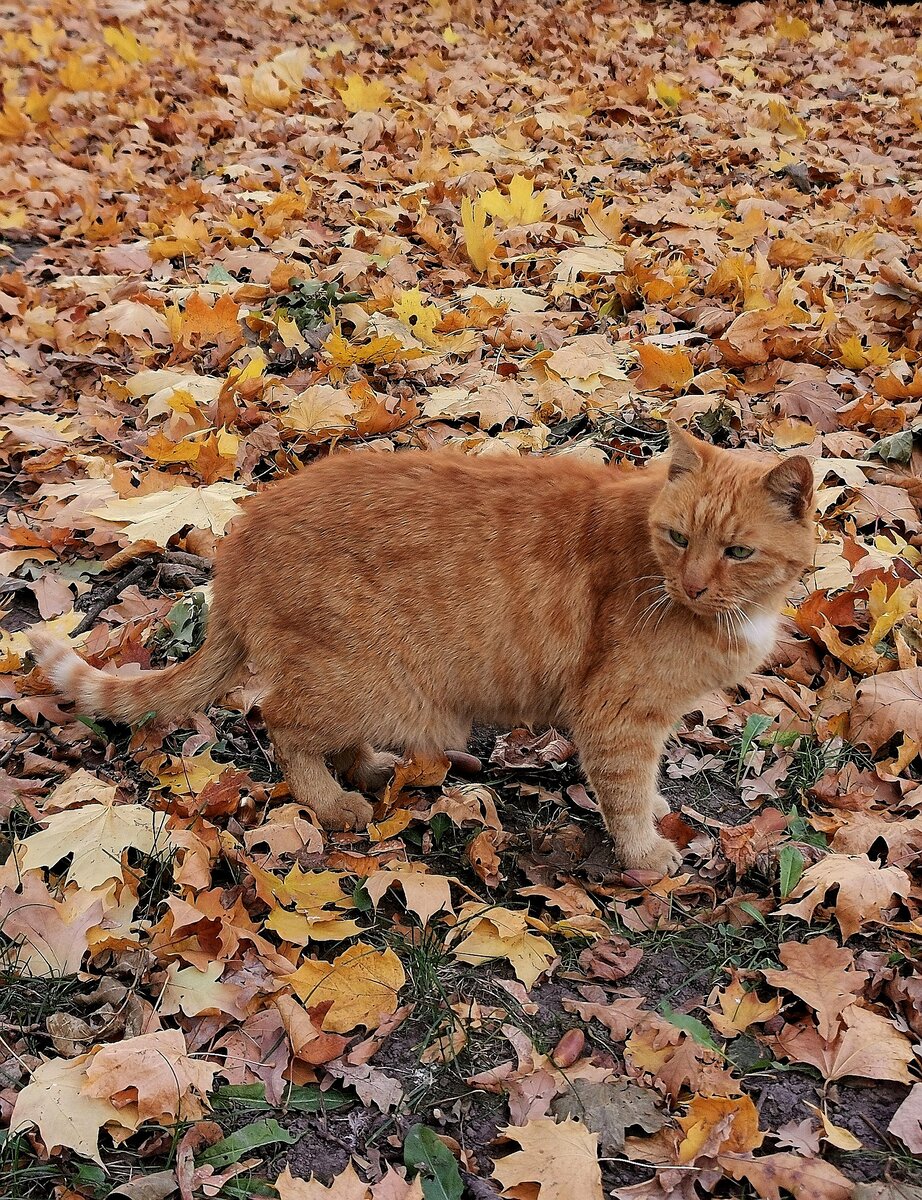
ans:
(761, 632)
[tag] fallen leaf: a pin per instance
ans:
(560, 1158)
(362, 984)
(822, 974)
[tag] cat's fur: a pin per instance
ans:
(392, 600)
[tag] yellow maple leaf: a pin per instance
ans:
(851, 354)
(786, 121)
(359, 96)
(126, 45)
(490, 932)
(186, 236)
(792, 28)
(521, 206)
(184, 776)
(739, 1009)
(299, 928)
(886, 610)
(95, 835)
(158, 516)
(420, 318)
(479, 241)
(14, 124)
(77, 74)
(362, 983)
(378, 350)
(666, 91)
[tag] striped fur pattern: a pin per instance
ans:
(389, 601)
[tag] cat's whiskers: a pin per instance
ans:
(648, 613)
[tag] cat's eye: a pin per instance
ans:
(678, 538)
(739, 552)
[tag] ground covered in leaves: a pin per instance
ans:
(238, 237)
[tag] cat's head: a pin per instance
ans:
(731, 529)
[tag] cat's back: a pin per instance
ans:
(402, 491)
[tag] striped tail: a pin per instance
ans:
(177, 691)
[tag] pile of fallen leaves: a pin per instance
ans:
(238, 237)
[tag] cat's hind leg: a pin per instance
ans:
(308, 776)
(367, 768)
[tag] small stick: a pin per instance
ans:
(109, 596)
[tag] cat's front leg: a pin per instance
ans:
(621, 760)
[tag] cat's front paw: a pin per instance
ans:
(657, 855)
(660, 808)
(351, 811)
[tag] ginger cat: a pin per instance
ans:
(392, 600)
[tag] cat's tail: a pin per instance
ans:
(177, 691)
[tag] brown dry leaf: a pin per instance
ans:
(865, 890)
(886, 707)
(560, 1158)
(52, 934)
(804, 1178)
(610, 1109)
(869, 1047)
(743, 845)
(155, 1074)
(822, 974)
(906, 1123)
(424, 894)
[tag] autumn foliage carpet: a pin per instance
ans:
(236, 237)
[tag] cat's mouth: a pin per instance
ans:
(704, 606)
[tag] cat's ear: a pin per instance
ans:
(684, 455)
(791, 483)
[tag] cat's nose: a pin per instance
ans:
(692, 589)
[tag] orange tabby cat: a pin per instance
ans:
(392, 600)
